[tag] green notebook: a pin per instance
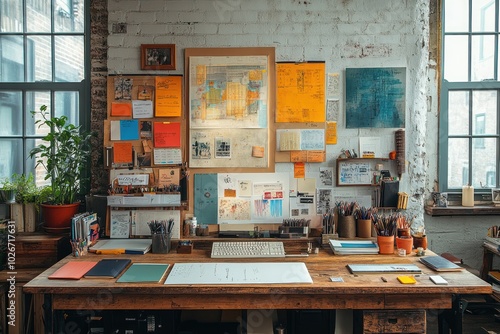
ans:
(144, 272)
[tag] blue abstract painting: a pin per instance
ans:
(375, 97)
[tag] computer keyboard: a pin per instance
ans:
(247, 249)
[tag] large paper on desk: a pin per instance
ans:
(239, 273)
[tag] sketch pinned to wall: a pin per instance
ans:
(375, 97)
(333, 85)
(222, 148)
(324, 203)
(326, 176)
(332, 110)
(259, 197)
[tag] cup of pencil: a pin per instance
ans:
(160, 236)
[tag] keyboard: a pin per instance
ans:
(247, 249)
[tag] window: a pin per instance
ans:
(37, 69)
(470, 96)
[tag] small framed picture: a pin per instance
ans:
(157, 56)
(495, 196)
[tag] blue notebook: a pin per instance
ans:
(144, 272)
(107, 268)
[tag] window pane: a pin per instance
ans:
(484, 105)
(69, 65)
(456, 55)
(11, 59)
(11, 16)
(458, 112)
(39, 58)
(34, 100)
(483, 51)
(67, 103)
(458, 162)
(69, 16)
(457, 15)
(10, 113)
(485, 159)
(11, 151)
(39, 172)
(483, 15)
(38, 16)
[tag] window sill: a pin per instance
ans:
(477, 210)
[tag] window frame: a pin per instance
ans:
(82, 87)
(470, 86)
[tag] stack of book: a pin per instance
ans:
(346, 247)
(492, 243)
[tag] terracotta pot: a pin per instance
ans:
(57, 218)
(385, 244)
(405, 243)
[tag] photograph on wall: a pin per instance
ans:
(375, 97)
(222, 147)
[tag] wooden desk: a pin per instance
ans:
(357, 292)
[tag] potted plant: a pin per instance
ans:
(7, 191)
(64, 153)
(27, 199)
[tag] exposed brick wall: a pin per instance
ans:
(99, 71)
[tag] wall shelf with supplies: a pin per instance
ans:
(359, 171)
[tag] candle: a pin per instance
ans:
(467, 195)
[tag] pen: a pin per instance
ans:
(383, 279)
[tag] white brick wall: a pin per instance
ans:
(343, 33)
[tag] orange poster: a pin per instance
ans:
(168, 99)
(331, 133)
(122, 152)
(300, 93)
(167, 134)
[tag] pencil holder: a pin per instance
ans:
(385, 244)
(160, 243)
(405, 243)
(420, 241)
(347, 227)
(364, 228)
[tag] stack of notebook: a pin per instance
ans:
(345, 247)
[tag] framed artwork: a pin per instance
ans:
(157, 56)
(230, 94)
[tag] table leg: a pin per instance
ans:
(487, 264)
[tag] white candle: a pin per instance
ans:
(467, 195)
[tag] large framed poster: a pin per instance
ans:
(230, 102)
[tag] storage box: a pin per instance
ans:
(40, 250)
(392, 321)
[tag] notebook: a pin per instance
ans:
(439, 263)
(144, 272)
(73, 270)
(129, 246)
(107, 268)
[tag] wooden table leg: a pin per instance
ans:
(487, 264)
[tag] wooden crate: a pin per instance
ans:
(40, 250)
(393, 321)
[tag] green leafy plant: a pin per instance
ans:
(25, 188)
(64, 153)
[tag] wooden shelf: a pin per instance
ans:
(478, 210)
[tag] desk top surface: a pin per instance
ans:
(321, 267)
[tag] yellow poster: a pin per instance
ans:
(168, 99)
(331, 133)
(300, 93)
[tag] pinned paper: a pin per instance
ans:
(299, 171)
(168, 96)
(142, 108)
(125, 130)
(121, 109)
(331, 133)
(168, 176)
(167, 134)
(122, 153)
(229, 193)
(257, 151)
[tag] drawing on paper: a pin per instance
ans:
(375, 97)
(326, 176)
(222, 147)
(234, 209)
(201, 150)
(268, 208)
(228, 91)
